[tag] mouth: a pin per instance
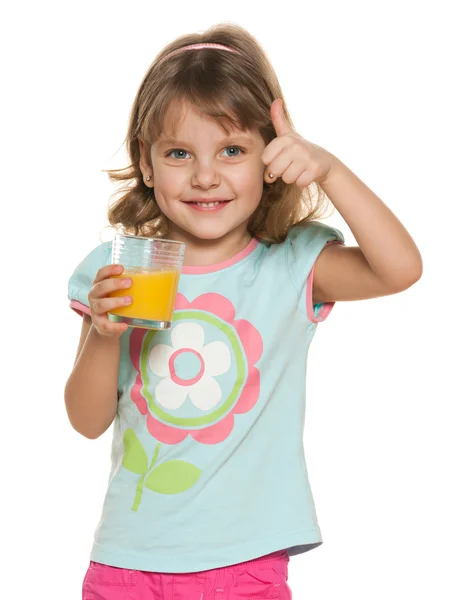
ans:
(212, 205)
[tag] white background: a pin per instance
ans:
(366, 80)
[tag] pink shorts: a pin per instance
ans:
(264, 577)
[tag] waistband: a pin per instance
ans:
(279, 556)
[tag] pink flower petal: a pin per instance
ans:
(251, 340)
(181, 302)
(137, 397)
(136, 339)
(250, 393)
(165, 433)
(216, 304)
(215, 433)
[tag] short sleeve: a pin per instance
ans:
(304, 244)
(81, 280)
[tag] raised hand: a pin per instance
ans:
(292, 157)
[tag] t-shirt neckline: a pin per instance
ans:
(252, 245)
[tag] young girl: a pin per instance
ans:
(208, 493)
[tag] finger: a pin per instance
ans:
(278, 119)
(107, 286)
(108, 271)
(293, 173)
(109, 328)
(278, 165)
(117, 327)
(273, 148)
(104, 305)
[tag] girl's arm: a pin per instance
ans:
(387, 260)
(87, 322)
(91, 391)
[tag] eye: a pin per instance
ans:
(179, 151)
(235, 148)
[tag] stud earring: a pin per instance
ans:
(148, 177)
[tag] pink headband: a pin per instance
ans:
(196, 46)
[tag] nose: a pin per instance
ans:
(205, 175)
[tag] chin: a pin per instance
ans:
(209, 234)
(209, 230)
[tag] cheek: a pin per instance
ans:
(168, 188)
(163, 199)
(250, 185)
(169, 180)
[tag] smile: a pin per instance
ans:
(209, 206)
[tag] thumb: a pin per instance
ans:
(278, 119)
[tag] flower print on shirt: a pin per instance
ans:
(191, 381)
(208, 409)
(214, 359)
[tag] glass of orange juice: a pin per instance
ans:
(154, 266)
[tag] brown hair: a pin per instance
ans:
(232, 87)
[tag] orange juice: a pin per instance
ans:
(153, 293)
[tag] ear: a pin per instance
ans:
(145, 163)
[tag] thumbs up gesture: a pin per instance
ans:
(291, 157)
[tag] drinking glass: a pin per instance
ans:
(154, 266)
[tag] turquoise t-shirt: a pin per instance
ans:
(207, 459)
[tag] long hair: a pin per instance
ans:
(235, 88)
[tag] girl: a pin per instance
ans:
(208, 493)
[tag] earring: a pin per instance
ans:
(148, 177)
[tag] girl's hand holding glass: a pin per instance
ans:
(106, 282)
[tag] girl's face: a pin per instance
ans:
(203, 165)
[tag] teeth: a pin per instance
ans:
(207, 204)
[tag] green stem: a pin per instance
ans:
(140, 486)
(155, 456)
(139, 489)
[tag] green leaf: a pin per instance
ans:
(172, 477)
(134, 457)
